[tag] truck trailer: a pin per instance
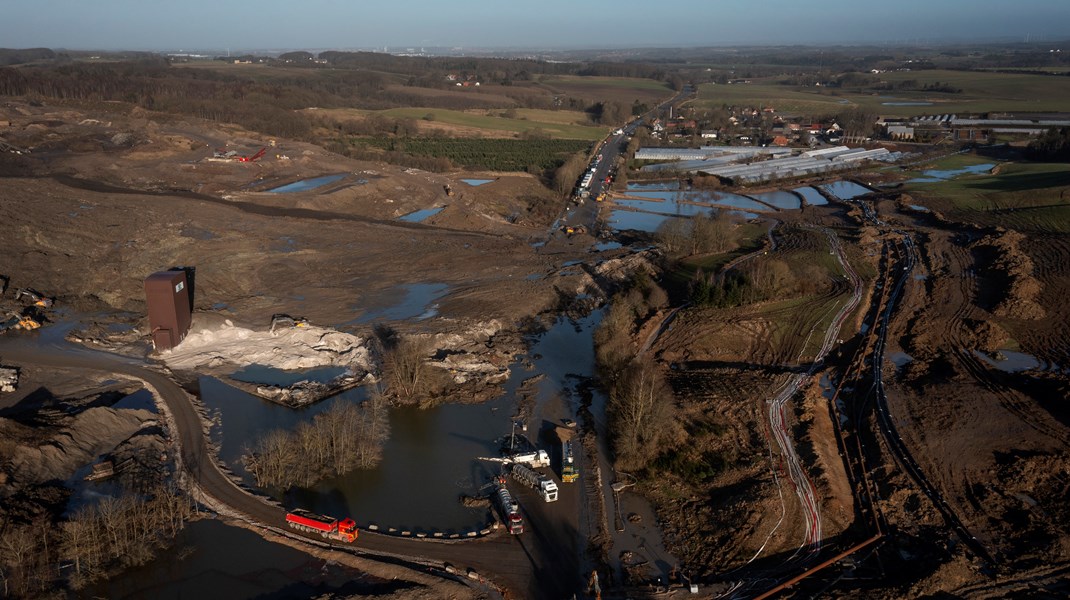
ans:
(328, 527)
(569, 473)
(510, 509)
(536, 481)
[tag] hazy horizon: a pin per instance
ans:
(318, 24)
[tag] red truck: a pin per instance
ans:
(328, 527)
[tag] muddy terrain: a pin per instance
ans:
(920, 457)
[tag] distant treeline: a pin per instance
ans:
(1054, 144)
(533, 155)
(10, 56)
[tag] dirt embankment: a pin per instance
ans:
(1014, 269)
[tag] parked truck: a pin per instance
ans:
(510, 509)
(537, 481)
(328, 527)
(569, 473)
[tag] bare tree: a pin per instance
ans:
(641, 410)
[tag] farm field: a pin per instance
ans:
(981, 92)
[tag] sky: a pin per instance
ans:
(342, 24)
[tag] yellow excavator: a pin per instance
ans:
(285, 321)
(23, 321)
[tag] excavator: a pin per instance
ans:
(17, 321)
(285, 321)
(36, 297)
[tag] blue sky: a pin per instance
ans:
(317, 24)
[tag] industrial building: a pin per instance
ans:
(169, 296)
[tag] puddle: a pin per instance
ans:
(1011, 362)
(812, 196)
(411, 301)
(196, 233)
(220, 306)
(918, 208)
(538, 244)
(285, 245)
(935, 175)
(919, 277)
(418, 216)
(780, 199)
(266, 375)
(900, 359)
(477, 182)
(604, 246)
(534, 277)
(306, 184)
(845, 190)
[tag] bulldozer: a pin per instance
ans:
(281, 321)
(36, 297)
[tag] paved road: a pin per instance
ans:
(512, 562)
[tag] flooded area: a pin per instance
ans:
(622, 220)
(845, 190)
(680, 198)
(477, 182)
(418, 216)
(431, 458)
(654, 186)
(900, 359)
(812, 196)
(780, 199)
(605, 246)
(410, 301)
(937, 175)
(305, 185)
(210, 559)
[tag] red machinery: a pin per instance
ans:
(328, 527)
(253, 157)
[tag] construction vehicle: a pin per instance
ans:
(328, 527)
(536, 481)
(448, 189)
(510, 508)
(534, 458)
(569, 473)
(574, 229)
(36, 297)
(20, 321)
(285, 321)
(252, 158)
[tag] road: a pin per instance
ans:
(512, 562)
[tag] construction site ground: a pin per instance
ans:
(109, 196)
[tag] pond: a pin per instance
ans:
(418, 216)
(305, 185)
(622, 220)
(653, 186)
(813, 197)
(266, 375)
(703, 196)
(780, 199)
(432, 455)
(935, 175)
(845, 190)
(477, 182)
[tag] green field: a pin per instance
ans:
(981, 92)
(632, 83)
(1023, 196)
(482, 120)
